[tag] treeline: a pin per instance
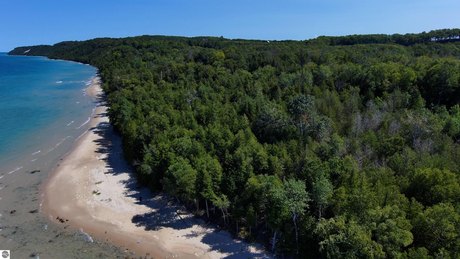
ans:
(445, 35)
(321, 151)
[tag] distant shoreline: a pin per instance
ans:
(93, 190)
(29, 140)
(44, 127)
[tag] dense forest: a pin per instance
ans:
(335, 147)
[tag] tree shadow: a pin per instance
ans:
(164, 216)
(164, 211)
(222, 241)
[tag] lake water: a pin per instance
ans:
(35, 94)
(43, 111)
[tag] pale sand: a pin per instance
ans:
(94, 189)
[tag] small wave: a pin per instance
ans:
(71, 82)
(77, 102)
(15, 170)
(86, 236)
(86, 122)
(62, 141)
(70, 123)
(36, 153)
(33, 160)
(1, 176)
(58, 144)
(81, 135)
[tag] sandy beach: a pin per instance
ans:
(94, 191)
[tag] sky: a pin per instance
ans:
(32, 22)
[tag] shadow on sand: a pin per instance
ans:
(165, 212)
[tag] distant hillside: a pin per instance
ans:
(336, 147)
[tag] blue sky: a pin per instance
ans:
(30, 22)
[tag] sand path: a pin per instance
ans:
(94, 190)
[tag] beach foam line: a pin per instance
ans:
(36, 153)
(86, 236)
(86, 122)
(41, 202)
(62, 141)
(81, 135)
(15, 170)
(71, 82)
(58, 144)
(70, 123)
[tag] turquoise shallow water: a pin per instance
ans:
(36, 93)
(43, 111)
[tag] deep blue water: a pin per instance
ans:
(39, 98)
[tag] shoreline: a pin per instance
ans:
(34, 153)
(27, 156)
(94, 190)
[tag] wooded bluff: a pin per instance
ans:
(336, 147)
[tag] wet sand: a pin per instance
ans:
(93, 190)
(25, 231)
